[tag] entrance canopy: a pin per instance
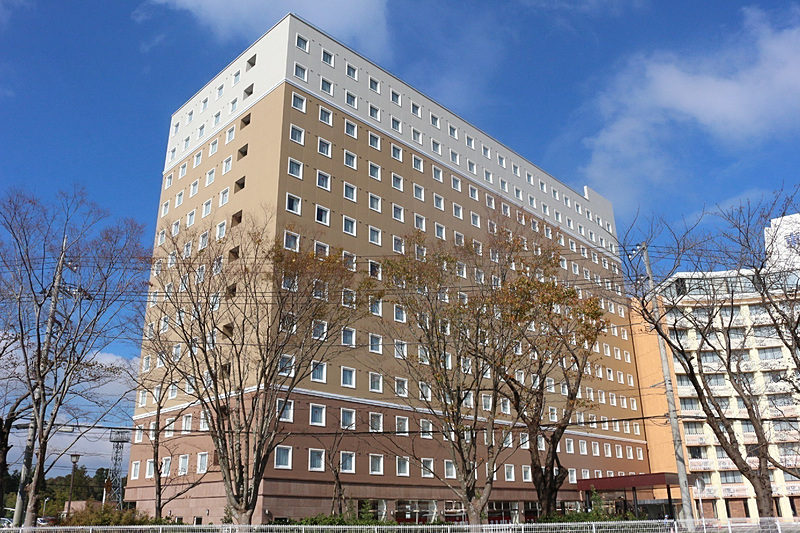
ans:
(624, 483)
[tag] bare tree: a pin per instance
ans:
(248, 317)
(15, 402)
(163, 386)
(67, 271)
(728, 290)
(555, 352)
(481, 318)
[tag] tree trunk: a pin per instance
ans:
(337, 504)
(158, 509)
(548, 500)
(4, 448)
(243, 517)
(34, 489)
(763, 489)
(473, 514)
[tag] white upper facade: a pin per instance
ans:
(297, 53)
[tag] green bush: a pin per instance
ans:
(339, 520)
(108, 515)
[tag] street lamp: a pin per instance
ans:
(74, 457)
(44, 510)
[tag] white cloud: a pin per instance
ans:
(613, 7)
(361, 24)
(149, 44)
(743, 94)
(6, 7)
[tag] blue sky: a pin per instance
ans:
(664, 107)
(661, 106)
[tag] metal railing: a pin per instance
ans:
(765, 525)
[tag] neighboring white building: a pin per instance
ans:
(727, 306)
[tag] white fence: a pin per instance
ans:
(649, 526)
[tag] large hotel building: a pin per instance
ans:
(341, 148)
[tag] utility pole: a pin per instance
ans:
(39, 401)
(683, 480)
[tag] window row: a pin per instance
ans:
(165, 467)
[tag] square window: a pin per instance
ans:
(349, 337)
(374, 112)
(374, 171)
(286, 365)
(285, 411)
(324, 147)
(301, 43)
(397, 153)
(293, 204)
(300, 72)
(351, 71)
(325, 116)
(350, 129)
(375, 202)
(349, 225)
(295, 169)
(427, 467)
(375, 382)
(398, 212)
(348, 377)
(316, 460)
(322, 215)
(347, 419)
(299, 102)
(316, 414)
(296, 134)
(402, 466)
(374, 85)
(319, 372)
(323, 180)
(283, 457)
(397, 182)
(400, 349)
(374, 235)
(327, 57)
(326, 86)
(349, 191)
(350, 159)
(347, 462)
(376, 464)
(375, 343)
(374, 141)
(351, 99)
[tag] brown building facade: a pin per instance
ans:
(343, 152)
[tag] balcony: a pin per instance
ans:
(792, 461)
(696, 440)
(698, 465)
(710, 491)
(725, 464)
(773, 364)
(734, 491)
